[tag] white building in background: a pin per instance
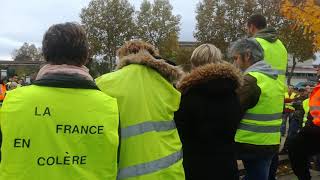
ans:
(304, 71)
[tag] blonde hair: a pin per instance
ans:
(205, 54)
(136, 46)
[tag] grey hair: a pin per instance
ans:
(204, 54)
(250, 46)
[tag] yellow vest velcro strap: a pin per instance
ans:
(150, 167)
(263, 117)
(259, 129)
(312, 108)
(147, 127)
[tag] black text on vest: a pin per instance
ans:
(46, 112)
(21, 143)
(79, 129)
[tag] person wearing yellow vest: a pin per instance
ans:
(261, 98)
(62, 126)
(275, 53)
(150, 147)
(288, 99)
(306, 143)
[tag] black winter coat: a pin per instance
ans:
(207, 121)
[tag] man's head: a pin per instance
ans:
(256, 23)
(15, 78)
(307, 90)
(246, 52)
(65, 44)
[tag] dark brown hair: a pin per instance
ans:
(258, 21)
(65, 44)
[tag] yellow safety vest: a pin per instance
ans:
(59, 133)
(276, 55)
(292, 96)
(306, 109)
(261, 124)
(150, 146)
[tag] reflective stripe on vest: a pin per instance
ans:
(261, 124)
(147, 127)
(312, 108)
(150, 167)
(261, 129)
(263, 117)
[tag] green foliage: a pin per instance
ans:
(299, 45)
(183, 57)
(97, 67)
(222, 22)
(155, 22)
(27, 52)
(157, 25)
(109, 23)
(22, 71)
(169, 47)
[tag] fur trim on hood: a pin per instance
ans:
(209, 72)
(169, 72)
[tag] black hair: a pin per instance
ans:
(258, 21)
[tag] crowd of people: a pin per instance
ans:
(10, 84)
(149, 120)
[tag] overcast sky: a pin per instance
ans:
(27, 20)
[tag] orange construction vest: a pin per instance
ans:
(314, 105)
(3, 91)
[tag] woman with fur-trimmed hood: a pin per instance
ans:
(150, 147)
(209, 115)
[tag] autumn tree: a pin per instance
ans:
(108, 23)
(157, 25)
(211, 23)
(299, 45)
(169, 47)
(27, 52)
(222, 22)
(306, 13)
(183, 57)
